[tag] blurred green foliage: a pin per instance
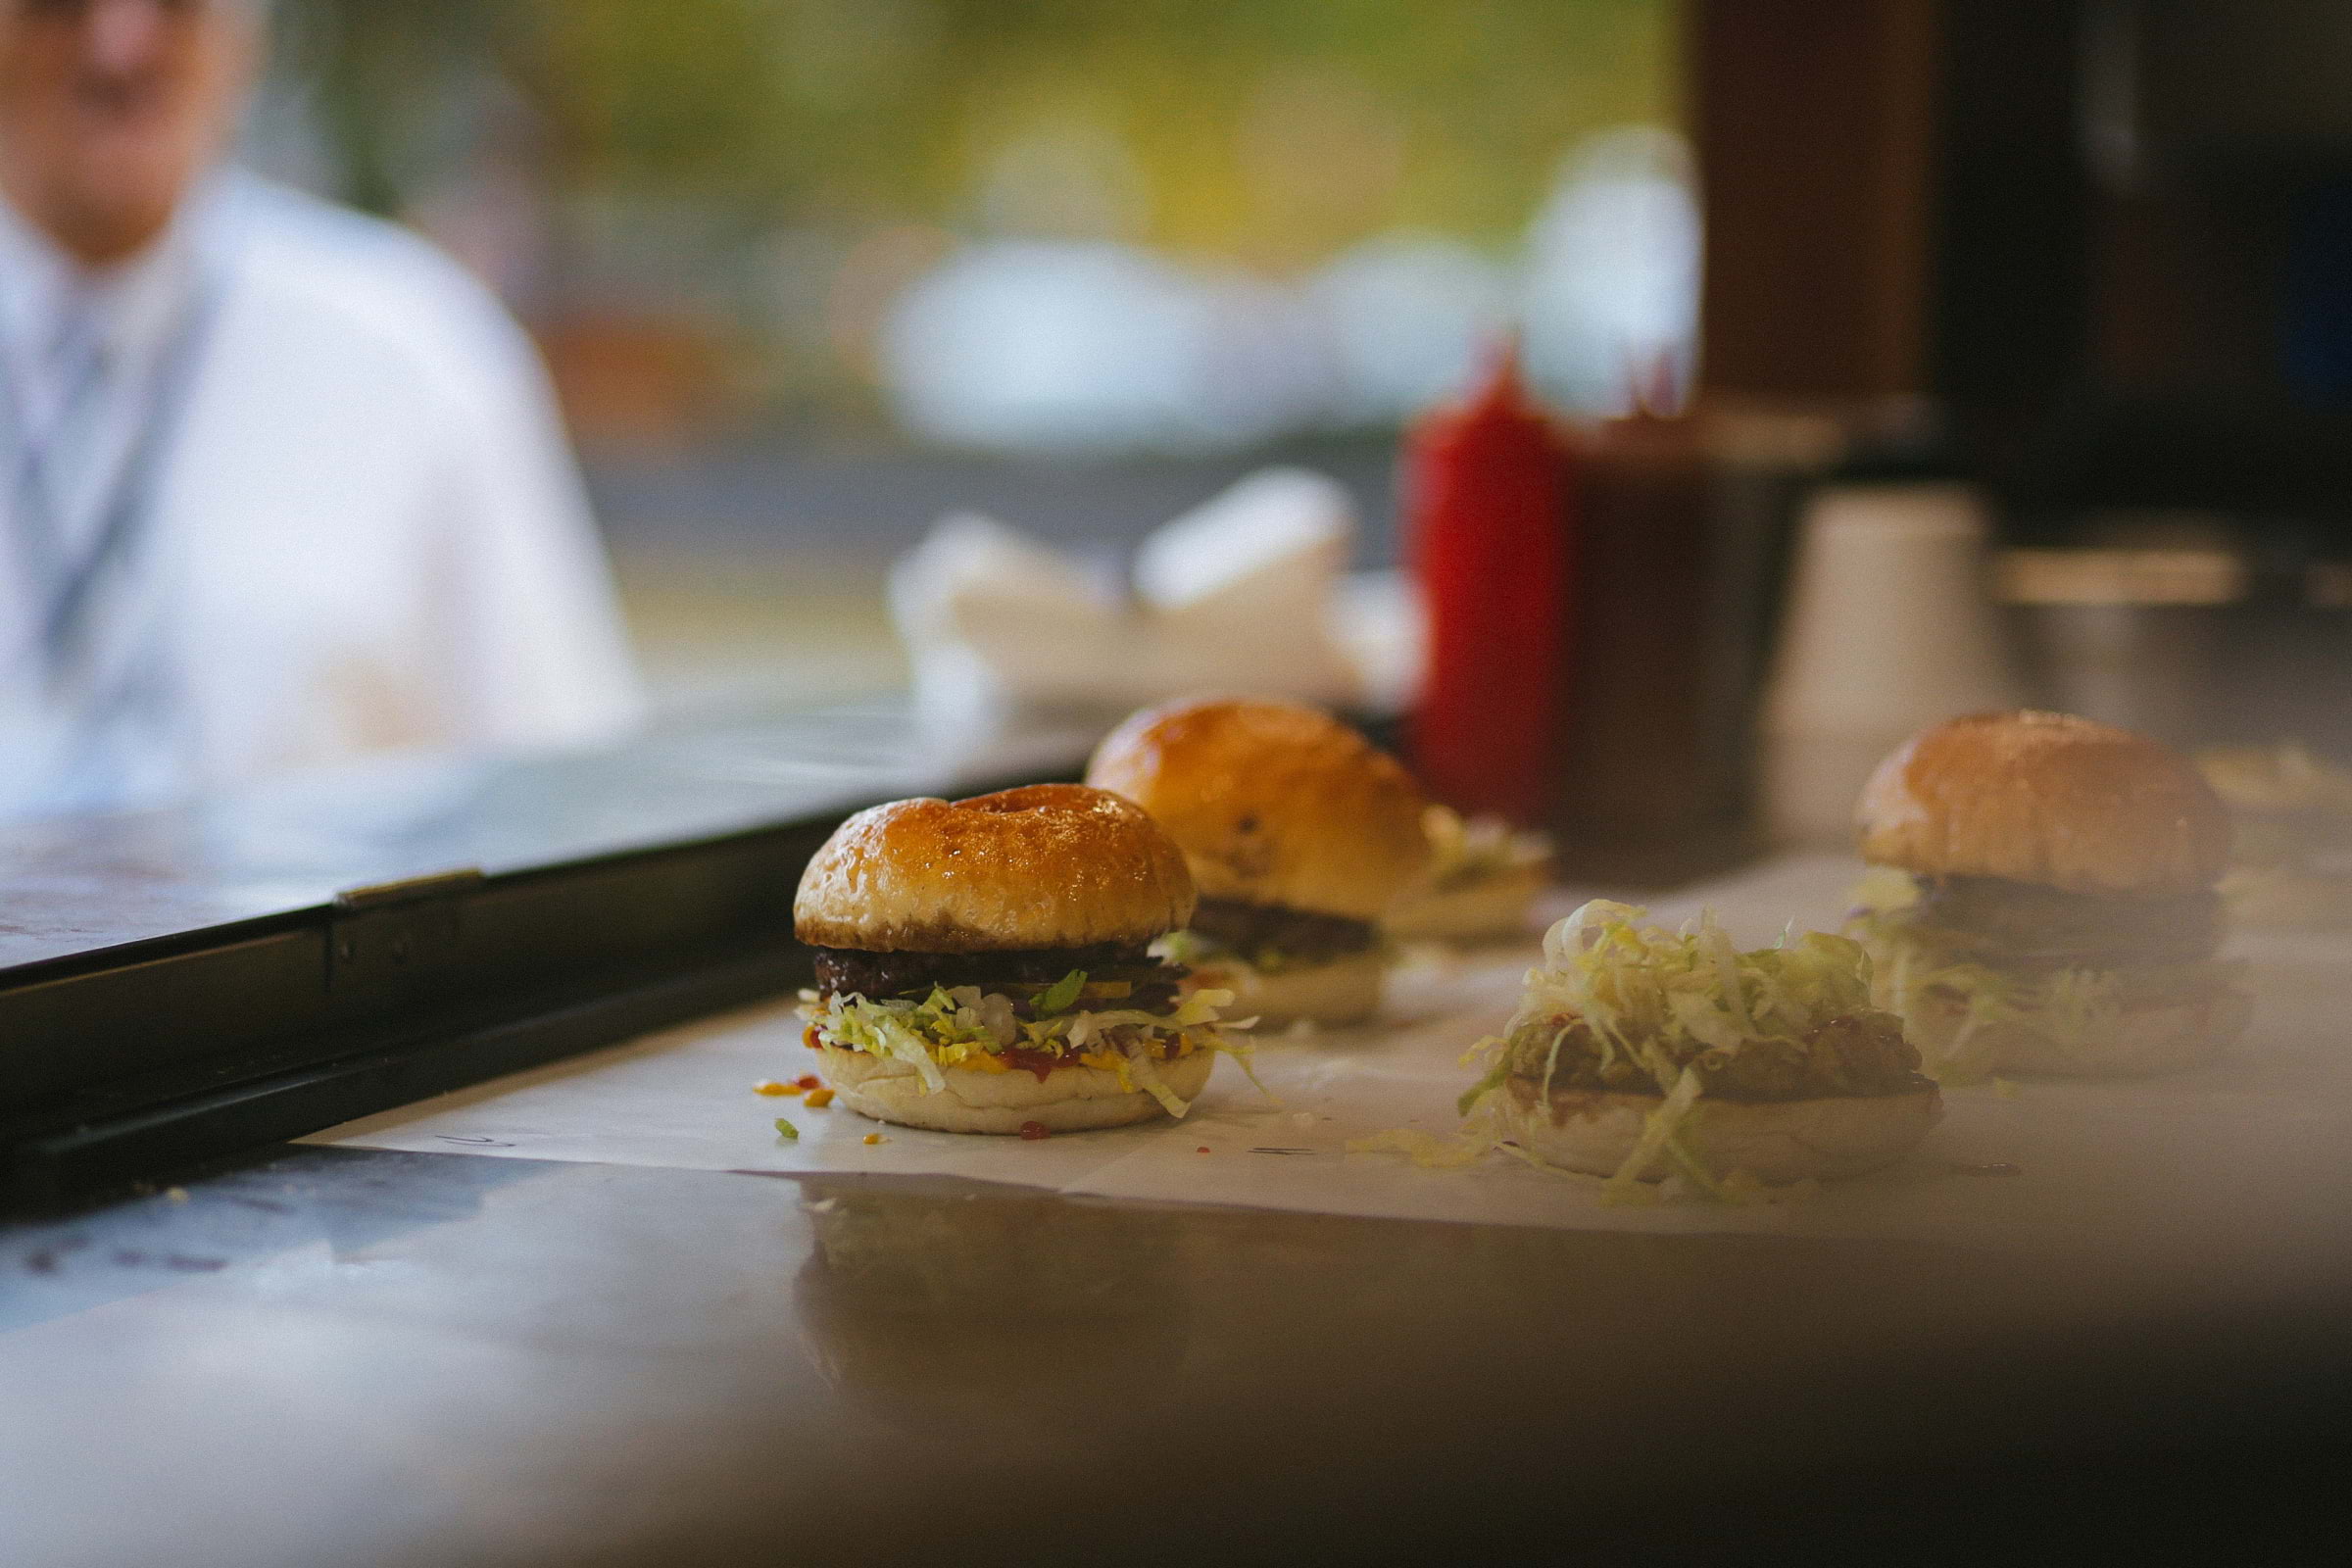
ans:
(1271, 130)
(752, 181)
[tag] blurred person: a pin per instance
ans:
(279, 483)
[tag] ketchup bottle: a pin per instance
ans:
(1487, 492)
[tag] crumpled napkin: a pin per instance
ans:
(1241, 594)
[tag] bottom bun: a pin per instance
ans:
(2143, 1040)
(1344, 990)
(1068, 1100)
(1489, 908)
(1773, 1141)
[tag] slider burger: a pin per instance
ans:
(1639, 1053)
(1300, 835)
(981, 966)
(2047, 901)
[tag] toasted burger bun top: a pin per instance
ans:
(1052, 865)
(2045, 798)
(1272, 803)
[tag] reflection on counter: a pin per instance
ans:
(1028, 1325)
(342, 1201)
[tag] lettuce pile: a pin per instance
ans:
(1663, 1013)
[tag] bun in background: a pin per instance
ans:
(1487, 907)
(1272, 803)
(1343, 991)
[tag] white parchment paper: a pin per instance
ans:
(2239, 1163)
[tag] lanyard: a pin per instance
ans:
(27, 485)
(70, 596)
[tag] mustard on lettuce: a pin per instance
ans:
(965, 1027)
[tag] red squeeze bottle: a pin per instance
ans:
(1488, 495)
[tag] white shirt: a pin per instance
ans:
(363, 528)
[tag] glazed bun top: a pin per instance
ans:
(1052, 865)
(2048, 798)
(1272, 803)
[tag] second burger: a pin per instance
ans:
(1298, 833)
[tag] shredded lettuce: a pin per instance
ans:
(965, 1027)
(1062, 995)
(1188, 949)
(1498, 1068)
(1464, 851)
(1660, 1001)
(1658, 1131)
(1148, 1075)
(885, 1031)
(1638, 988)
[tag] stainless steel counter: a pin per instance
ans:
(364, 1359)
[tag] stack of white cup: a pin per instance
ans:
(1889, 627)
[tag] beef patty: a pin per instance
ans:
(1859, 1053)
(900, 974)
(1254, 928)
(2026, 925)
